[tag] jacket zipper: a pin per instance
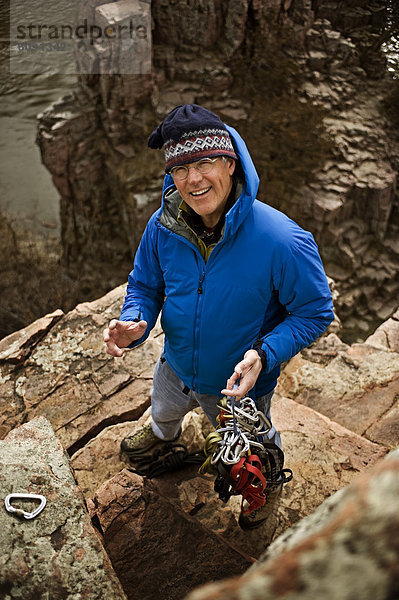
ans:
(198, 310)
(197, 328)
(201, 281)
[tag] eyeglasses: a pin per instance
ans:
(203, 166)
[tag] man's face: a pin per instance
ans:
(207, 194)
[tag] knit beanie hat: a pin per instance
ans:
(190, 132)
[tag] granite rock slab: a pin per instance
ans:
(58, 554)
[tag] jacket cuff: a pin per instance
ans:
(136, 320)
(258, 347)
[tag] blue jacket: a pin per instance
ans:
(264, 279)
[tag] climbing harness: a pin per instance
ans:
(169, 457)
(242, 454)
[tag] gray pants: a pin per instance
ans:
(171, 400)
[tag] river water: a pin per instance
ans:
(27, 194)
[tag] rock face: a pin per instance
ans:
(386, 336)
(356, 386)
(268, 68)
(18, 345)
(352, 204)
(323, 455)
(347, 549)
(58, 554)
(68, 378)
(100, 458)
(137, 522)
(363, 22)
(58, 368)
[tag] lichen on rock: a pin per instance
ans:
(58, 554)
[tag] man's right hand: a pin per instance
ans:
(120, 334)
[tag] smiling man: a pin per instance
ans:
(241, 287)
(205, 186)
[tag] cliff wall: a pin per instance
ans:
(305, 84)
(336, 407)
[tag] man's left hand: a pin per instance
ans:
(248, 370)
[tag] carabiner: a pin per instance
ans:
(23, 513)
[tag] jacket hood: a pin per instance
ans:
(251, 177)
(240, 209)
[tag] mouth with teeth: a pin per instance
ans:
(200, 192)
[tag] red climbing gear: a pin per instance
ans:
(249, 482)
(242, 455)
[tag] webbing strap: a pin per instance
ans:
(239, 475)
(210, 446)
(169, 457)
(249, 482)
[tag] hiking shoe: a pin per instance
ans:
(259, 516)
(141, 441)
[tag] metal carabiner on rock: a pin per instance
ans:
(23, 513)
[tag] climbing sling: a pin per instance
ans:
(244, 459)
(169, 457)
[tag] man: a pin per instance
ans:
(241, 287)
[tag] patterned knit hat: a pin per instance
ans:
(190, 132)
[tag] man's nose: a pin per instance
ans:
(193, 175)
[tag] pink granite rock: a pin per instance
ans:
(349, 548)
(157, 550)
(386, 336)
(355, 386)
(66, 375)
(16, 346)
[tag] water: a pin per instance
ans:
(27, 195)
(27, 191)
